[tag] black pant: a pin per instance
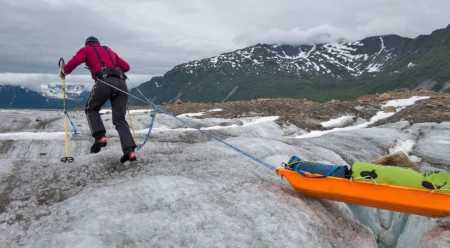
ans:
(100, 94)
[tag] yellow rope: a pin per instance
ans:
(131, 124)
(434, 186)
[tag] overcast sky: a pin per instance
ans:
(156, 35)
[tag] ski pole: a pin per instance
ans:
(67, 158)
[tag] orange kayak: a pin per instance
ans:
(389, 197)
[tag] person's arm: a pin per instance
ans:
(77, 59)
(122, 64)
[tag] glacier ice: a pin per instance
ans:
(187, 190)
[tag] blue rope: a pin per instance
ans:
(223, 142)
(74, 128)
(188, 124)
(150, 128)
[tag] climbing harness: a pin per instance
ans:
(156, 108)
(106, 72)
(66, 159)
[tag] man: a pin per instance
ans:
(107, 69)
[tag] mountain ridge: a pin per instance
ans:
(50, 96)
(318, 72)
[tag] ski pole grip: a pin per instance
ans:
(61, 63)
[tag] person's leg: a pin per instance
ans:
(99, 96)
(119, 108)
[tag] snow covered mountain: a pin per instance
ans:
(74, 92)
(341, 70)
(334, 60)
(50, 96)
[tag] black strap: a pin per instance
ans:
(98, 56)
(100, 59)
(110, 57)
(104, 72)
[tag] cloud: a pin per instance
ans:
(154, 36)
(316, 35)
(33, 81)
(331, 21)
(387, 25)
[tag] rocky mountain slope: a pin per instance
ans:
(308, 115)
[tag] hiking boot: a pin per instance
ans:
(98, 144)
(130, 156)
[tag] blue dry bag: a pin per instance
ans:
(297, 164)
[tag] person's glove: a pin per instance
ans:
(62, 74)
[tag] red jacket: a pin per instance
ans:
(87, 55)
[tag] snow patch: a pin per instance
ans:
(310, 51)
(381, 49)
(374, 67)
(399, 104)
(403, 103)
(404, 146)
(214, 60)
(197, 114)
(339, 122)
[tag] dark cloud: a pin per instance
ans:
(155, 35)
(37, 34)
